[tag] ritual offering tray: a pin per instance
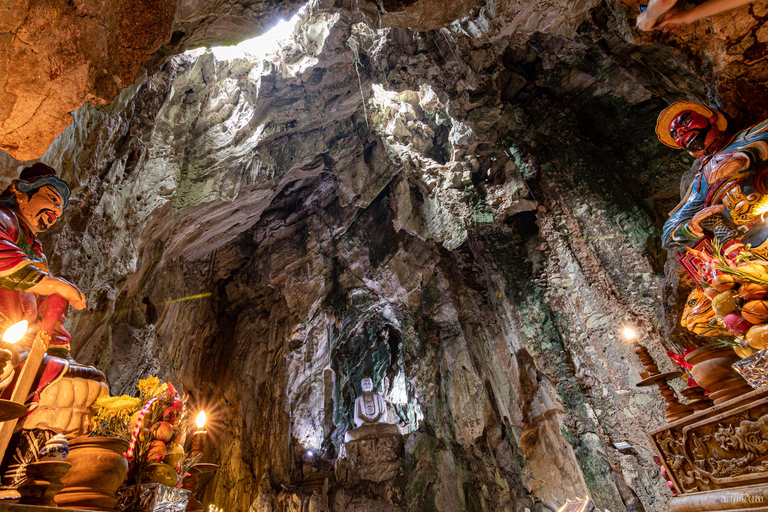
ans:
(204, 467)
(10, 410)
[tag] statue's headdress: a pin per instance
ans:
(671, 112)
(35, 177)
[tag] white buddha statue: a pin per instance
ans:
(370, 416)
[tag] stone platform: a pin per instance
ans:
(376, 460)
(718, 457)
(10, 507)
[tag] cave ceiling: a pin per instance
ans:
(463, 199)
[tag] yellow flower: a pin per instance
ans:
(148, 387)
(116, 404)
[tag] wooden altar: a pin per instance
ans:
(718, 457)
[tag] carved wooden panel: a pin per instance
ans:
(722, 447)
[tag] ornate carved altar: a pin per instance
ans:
(718, 457)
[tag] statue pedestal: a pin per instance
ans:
(718, 458)
(376, 460)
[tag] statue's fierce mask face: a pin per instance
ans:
(42, 210)
(366, 384)
(693, 131)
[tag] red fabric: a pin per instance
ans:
(680, 361)
(19, 305)
(10, 254)
(51, 318)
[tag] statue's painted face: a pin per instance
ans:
(366, 384)
(693, 131)
(42, 210)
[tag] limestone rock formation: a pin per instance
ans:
(377, 460)
(55, 56)
(469, 214)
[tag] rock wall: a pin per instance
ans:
(54, 56)
(468, 215)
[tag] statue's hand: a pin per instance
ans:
(655, 9)
(50, 285)
(70, 292)
(695, 223)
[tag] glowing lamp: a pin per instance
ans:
(310, 453)
(198, 446)
(629, 334)
(15, 332)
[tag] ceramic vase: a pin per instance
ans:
(712, 371)
(98, 469)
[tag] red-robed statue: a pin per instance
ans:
(64, 390)
(31, 205)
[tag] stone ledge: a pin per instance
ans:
(12, 507)
(753, 498)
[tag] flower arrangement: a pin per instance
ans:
(111, 415)
(730, 306)
(155, 423)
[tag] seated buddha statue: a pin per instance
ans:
(370, 416)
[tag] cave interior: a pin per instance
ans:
(272, 199)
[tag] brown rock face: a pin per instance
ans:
(730, 49)
(56, 55)
(424, 14)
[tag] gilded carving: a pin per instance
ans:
(715, 450)
(740, 204)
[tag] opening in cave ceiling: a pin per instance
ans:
(259, 47)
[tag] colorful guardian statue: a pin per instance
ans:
(64, 390)
(729, 195)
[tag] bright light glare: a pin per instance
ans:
(761, 207)
(629, 333)
(201, 419)
(261, 46)
(15, 332)
(310, 453)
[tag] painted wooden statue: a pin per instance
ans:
(729, 194)
(64, 390)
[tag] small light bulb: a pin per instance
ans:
(310, 453)
(629, 333)
(201, 419)
(15, 332)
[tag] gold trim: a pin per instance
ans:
(38, 265)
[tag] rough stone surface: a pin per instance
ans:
(467, 214)
(377, 460)
(728, 49)
(55, 56)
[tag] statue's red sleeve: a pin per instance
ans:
(59, 335)
(17, 270)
